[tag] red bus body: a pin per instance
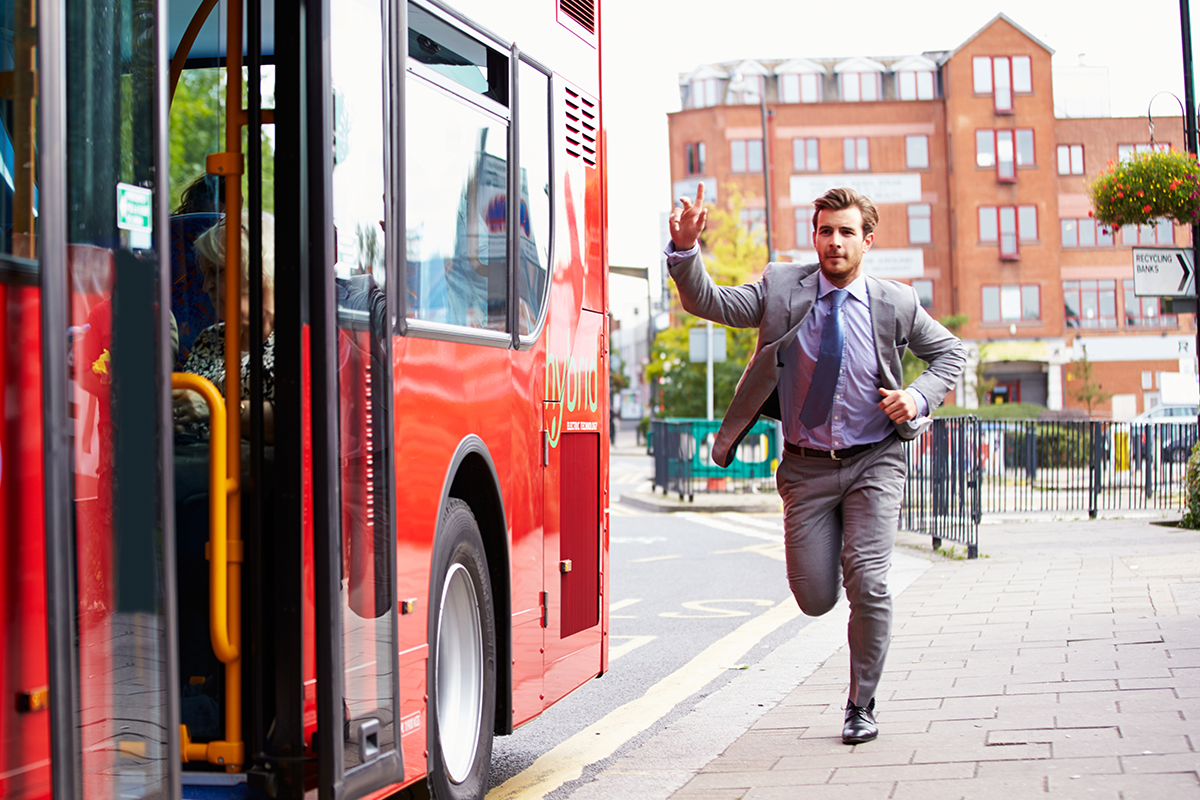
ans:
(518, 433)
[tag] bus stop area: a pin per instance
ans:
(1064, 661)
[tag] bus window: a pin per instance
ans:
(534, 217)
(456, 176)
(114, 189)
(369, 683)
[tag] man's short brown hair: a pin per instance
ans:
(840, 199)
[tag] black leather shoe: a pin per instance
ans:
(860, 723)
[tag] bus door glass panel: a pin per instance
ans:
(117, 390)
(533, 216)
(367, 592)
(24, 674)
(456, 177)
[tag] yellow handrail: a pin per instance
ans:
(226, 648)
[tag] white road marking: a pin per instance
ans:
(602, 738)
(726, 525)
(622, 649)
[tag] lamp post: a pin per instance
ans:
(742, 84)
(1189, 136)
(642, 273)
(768, 119)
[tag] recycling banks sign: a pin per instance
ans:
(1163, 272)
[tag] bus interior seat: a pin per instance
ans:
(191, 305)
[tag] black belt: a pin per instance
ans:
(836, 455)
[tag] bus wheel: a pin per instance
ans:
(462, 672)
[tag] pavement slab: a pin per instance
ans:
(1066, 662)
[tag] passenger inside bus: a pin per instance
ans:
(201, 204)
(207, 356)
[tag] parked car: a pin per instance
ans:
(1173, 427)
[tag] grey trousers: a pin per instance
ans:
(840, 520)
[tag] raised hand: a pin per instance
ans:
(687, 220)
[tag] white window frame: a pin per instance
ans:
(917, 158)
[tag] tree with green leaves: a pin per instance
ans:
(197, 128)
(732, 255)
(1089, 390)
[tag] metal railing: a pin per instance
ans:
(942, 490)
(683, 465)
(965, 467)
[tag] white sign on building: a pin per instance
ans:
(899, 187)
(1163, 272)
(687, 188)
(893, 263)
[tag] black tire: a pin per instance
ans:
(462, 660)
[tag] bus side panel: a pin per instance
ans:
(525, 508)
(444, 391)
(24, 722)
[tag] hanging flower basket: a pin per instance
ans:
(1147, 186)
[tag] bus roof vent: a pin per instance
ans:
(583, 126)
(582, 11)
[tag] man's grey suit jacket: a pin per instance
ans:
(777, 305)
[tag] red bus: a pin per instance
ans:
(337, 541)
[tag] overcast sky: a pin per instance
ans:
(648, 43)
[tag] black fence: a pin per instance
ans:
(965, 467)
(942, 492)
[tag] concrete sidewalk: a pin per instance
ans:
(1066, 662)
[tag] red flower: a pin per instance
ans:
(1145, 209)
(1121, 195)
(1140, 193)
(1174, 185)
(1091, 213)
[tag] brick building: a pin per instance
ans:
(982, 199)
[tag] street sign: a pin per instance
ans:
(698, 344)
(1163, 272)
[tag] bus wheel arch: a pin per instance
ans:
(472, 484)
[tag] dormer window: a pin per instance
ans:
(800, 81)
(915, 78)
(859, 80)
(915, 85)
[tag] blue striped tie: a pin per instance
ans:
(829, 363)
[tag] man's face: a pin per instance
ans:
(840, 244)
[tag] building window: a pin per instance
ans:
(924, 290)
(705, 92)
(1161, 231)
(859, 86)
(1002, 77)
(1090, 304)
(916, 152)
(1085, 232)
(920, 224)
(1070, 159)
(1006, 150)
(754, 220)
(1145, 312)
(1125, 151)
(915, 85)
(804, 226)
(695, 158)
(749, 92)
(746, 155)
(856, 157)
(1012, 303)
(802, 88)
(1008, 226)
(804, 156)
(1025, 150)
